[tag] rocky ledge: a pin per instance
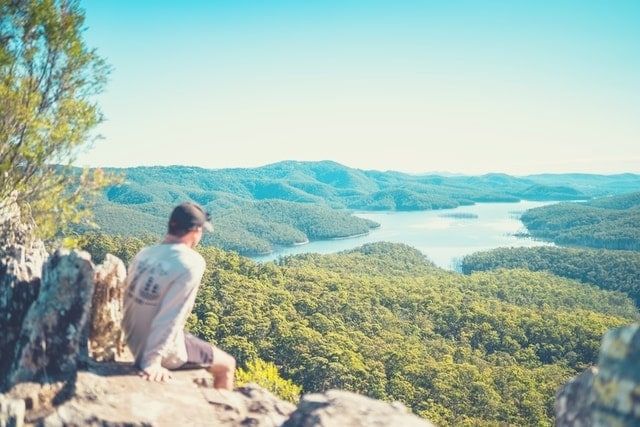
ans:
(112, 394)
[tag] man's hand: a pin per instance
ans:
(155, 372)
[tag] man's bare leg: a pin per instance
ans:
(223, 369)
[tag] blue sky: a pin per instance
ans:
(461, 86)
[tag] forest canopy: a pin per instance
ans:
(611, 270)
(382, 320)
(607, 222)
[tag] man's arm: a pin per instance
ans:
(171, 316)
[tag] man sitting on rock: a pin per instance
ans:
(162, 283)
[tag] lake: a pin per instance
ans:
(444, 236)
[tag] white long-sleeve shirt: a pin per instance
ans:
(161, 288)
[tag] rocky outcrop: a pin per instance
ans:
(106, 341)
(610, 394)
(111, 394)
(616, 388)
(343, 408)
(49, 342)
(21, 261)
(574, 401)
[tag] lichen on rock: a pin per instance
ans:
(51, 333)
(12, 412)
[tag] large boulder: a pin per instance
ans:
(610, 394)
(616, 388)
(50, 339)
(106, 340)
(21, 259)
(343, 408)
(112, 394)
(574, 401)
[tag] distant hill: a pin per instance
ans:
(291, 202)
(610, 270)
(591, 184)
(607, 222)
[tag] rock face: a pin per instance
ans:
(111, 394)
(49, 341)
(21, 261)
(106, 341)
(609, 395)
(574, 401)
(343, 408)
(616, 388)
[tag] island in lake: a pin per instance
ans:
(460, 215)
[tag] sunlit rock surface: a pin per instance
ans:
(112, 394)
(343, 408)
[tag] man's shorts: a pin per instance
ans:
(199, 352)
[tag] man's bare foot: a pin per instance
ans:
(155, 373)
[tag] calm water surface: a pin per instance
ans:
(444, 239)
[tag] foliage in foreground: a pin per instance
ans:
(48, 77)
(266, 375)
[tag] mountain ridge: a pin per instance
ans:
(291, 202)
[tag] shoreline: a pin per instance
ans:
(296, 244)
(366, 233)
(276, 249)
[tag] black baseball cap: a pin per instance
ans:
(187, 216)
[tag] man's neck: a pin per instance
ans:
(171, 239)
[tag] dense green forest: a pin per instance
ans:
(246, 226)
(382, 320)
(290, 202)
(608, 222)
(611, 270)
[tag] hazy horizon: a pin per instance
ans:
(427, 172)
(416, 87)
